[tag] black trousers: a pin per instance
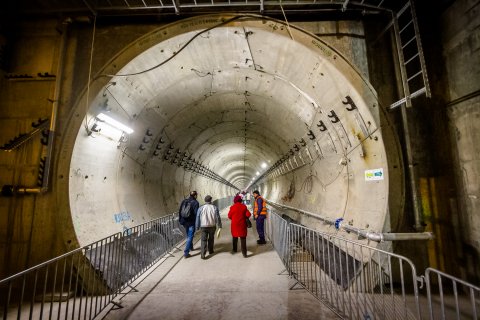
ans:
(243, 244)
(208, 237)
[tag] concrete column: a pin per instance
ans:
(461, 42)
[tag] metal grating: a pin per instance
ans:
(135, 7)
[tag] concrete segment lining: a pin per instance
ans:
(238, 95)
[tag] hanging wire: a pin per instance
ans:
(177, 52)
(90, 72)
(337, 229)
(307, 184)
(286, 21)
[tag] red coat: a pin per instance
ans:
(238, 213)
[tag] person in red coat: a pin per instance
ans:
(239, 214)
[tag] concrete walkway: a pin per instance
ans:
(224, 286)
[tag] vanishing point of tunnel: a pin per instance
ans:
(244, 95)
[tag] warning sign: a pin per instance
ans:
(374, 174)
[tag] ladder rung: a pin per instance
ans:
(410, 60)
(406, 26)
(417, 93)
(408, 42)
(403, 100)
(415, 75)
(401, 11)
(396, 104)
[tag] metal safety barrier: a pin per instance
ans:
(358, 281)
(451, 298)
(81, 283)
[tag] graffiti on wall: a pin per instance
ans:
(122, 216)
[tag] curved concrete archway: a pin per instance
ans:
(232, 92)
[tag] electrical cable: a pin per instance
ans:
(90, 72)
(307, 185)
(118, 103)
(360, 143)
(176, 52)
(347, 195)
(200, 73)
(286, 21)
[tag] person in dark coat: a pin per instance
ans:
(189, 223)
(238, 214)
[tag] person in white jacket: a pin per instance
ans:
(247, 198)
(208, 218)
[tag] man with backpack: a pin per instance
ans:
(208, 217)
(186, 217)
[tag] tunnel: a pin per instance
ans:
(113, 112)
(221, 104)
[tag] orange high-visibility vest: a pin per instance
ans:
(255, 207)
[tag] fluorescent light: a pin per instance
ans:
(109, 131)
(114, 123)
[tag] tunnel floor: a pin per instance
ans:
(224, 286)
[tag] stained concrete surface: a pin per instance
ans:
(224, 286)
(236, 100)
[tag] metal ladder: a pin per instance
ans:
(410, 53)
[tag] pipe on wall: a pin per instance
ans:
(374, 236)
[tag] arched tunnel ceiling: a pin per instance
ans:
(232, 94)
(225, 83)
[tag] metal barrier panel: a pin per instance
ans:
(361, 282)
(81, 283)
(451, 298)
(354, 280)
(58, 288)
(276, 231)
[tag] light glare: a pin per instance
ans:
(114, 123)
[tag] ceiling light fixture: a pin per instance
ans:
(114, 123)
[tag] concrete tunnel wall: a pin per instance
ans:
(35, 228)
(239, 95)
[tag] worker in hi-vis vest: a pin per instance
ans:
(260, 213)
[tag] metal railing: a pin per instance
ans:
(361, 282)
(81, 283)
(355, 280)
(177, 7)
(366, 234)
(451, 298)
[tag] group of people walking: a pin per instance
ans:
(206, 218)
